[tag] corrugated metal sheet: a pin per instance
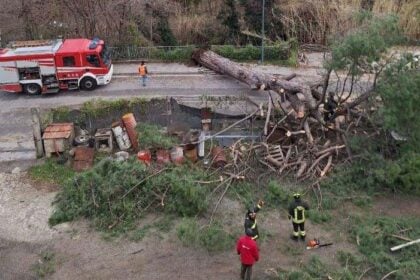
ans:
(58, 130)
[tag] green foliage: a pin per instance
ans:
(167, 38)
(374, 235)
(45, 266)
(276, 196)
(60, 114)
(51, 172)
(151, 136)
(318, 217)
(188, 232)
(384, 163)
(230, 19)
(115, 194)
(139, 234)
(316, 269)
(373, 172)
(181, 54)
(367, 44)
(399, 90)
(244, 191)
(275, 53)
(213, 237)
(98, 107)
(165, 223)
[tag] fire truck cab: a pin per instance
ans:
(46, 66)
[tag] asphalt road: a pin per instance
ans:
(16, 140)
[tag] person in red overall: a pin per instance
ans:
(247, 248)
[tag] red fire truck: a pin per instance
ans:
(47, 66)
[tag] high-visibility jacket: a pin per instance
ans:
(248, 250)
(142, 70)
(297, 211)
(252, 223)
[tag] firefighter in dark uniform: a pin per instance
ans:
(251, 219)
(329, 107)
(297, 211)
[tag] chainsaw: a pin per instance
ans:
(315, 243)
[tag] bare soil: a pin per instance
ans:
(82, 253)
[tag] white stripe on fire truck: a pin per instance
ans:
(77, 68)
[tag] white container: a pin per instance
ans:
(122, 138)
(201, 147)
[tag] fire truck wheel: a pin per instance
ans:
(88, 83)
(32, 89)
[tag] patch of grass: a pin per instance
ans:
(243, 191)
(213, 237)
(318, 217)
(165, 223)
(51, 172)
(375, 241)
(45, 265)
(139, 234)
(151, 136)
(277, 196)
(316, 269)
(292, 250)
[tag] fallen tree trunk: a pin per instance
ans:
(254, 79)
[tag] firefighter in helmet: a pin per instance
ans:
(330, 107)
(251, 219)
(297, 211)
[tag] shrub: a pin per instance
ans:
(151, 136)
(275, 53)
(172, 54)
(399, 91)
(115, 194)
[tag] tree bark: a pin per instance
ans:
(257, 80)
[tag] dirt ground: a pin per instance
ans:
(82, 253)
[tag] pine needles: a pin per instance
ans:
(113, 195)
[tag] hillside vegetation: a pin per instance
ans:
(180, 22)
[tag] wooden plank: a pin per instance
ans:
(395, 248)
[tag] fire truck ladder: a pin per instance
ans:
(34, 43)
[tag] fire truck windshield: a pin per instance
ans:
(106, 56)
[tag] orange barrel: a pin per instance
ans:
(145, 156)
(219, 157)
(130, 125)
(190, 152)
(163, 157)
(177, 155)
